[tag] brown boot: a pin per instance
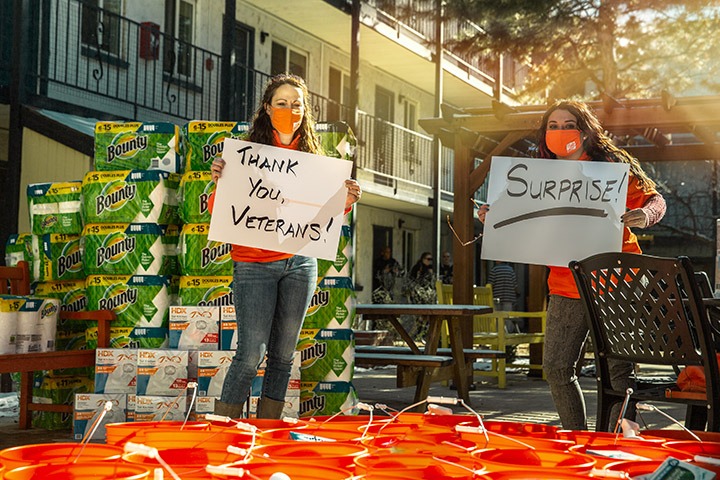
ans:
(232, 410)
(269, 408)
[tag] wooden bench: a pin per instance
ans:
(472, 353)
(406, 359)
(16, 281)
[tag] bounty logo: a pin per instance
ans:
(321, 298)
(118, 297)
(217, 297)
(114, 248)
(214, 146)
(204, 197)
(311, 352)
(70, 259)
(310, 406)
(215, 252)
(75, 301)
(48, 310)
(114, 196)
(125, 146)
(48, 222)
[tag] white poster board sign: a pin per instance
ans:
(280, 199)
(549, 212)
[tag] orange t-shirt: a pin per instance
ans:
(561, 281)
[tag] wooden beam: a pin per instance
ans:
(674, 153)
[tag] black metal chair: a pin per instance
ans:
(648, 310)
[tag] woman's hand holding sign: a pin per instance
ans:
(354, 192)
(636, 217)
(217, 167)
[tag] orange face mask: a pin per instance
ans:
(285, 120)
(563, 142)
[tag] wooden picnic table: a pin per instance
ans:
(434, 314)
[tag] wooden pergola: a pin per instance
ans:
(659, 129)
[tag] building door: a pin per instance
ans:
(243, 96)
(382, 237)
(383, 135)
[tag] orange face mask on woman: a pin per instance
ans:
(563, 142)
(285, 120)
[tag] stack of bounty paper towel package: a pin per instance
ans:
(31, 324)
(327, 344)
(129, 241)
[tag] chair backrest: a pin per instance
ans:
(703, 282)
(645, 309)
(15, 280)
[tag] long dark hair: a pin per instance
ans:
(597, 145)
(261, 129)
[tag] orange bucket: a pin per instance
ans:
(338, 433)
(80, 471)
(633, 468)
(331, 454)
(57, 453)
(399, 444)
(121, 433)
(534, 475)
(516, 441)
(295, 471)
(584, 437)
(525, 458)
(706, 449)
(197, 439)
(417, 466)
(188, 463)
(605, 454)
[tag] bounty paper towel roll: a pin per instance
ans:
(326, 355)
(37, 325)
(137, 146)
(57, 256)
(199, 256)
(193, 194)
(9, 307)
(70, 293)
(203, 141)
(327, 398)
(342, 265)
(140, 302)
(54, 207)
(123, 249)
(332, 304)
(128, 196)
(204, 291)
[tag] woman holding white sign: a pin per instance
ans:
(272, 290)
(571, 131)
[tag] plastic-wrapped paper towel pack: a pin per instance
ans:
(124, 249)
(130, 196)
(203, 141)
(54, 207)
(137, 146)
(199, 256)
(57, 256)
(193, 195)
(18, 248)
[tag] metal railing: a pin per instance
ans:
(110, 65)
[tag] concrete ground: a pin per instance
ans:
(526, 399)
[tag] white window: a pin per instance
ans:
(284, 59)
(100, 25)
(180, 32)
(339, 95)
(409, 113)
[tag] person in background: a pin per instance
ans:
(420, 287)
(385, 270)
(446, 268)
(272, 290)
(504, 285)
(570, 131)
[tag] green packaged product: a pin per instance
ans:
(18, 248)
(123, 248)
(54, 207)
(203, 141)
(199, 256)
(205, 291)
(57, 256)
(137, 146)
(193, 195)
(127, 196)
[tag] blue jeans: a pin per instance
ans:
(271, 299)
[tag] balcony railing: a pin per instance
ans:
(114, 67)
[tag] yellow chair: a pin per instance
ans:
(489, 329)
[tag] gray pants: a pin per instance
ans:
(566, 331)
